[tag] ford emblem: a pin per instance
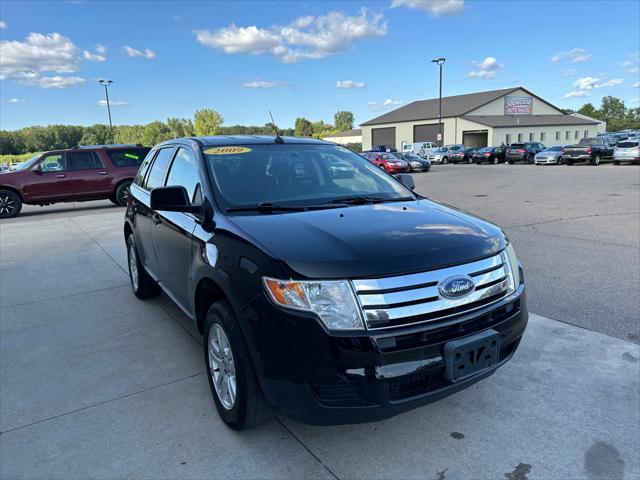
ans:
(455, 287)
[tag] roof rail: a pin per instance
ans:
(115, 145)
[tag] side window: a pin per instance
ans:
(567, 135)
(142, 171)
(83, 160)
(507, 138)
(127, 158)
(531, 136)
(557, 135)
(159, 168)
(56, 162)
(184, 172)
(520, 135)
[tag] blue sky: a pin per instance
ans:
(245, 58)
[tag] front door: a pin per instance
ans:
(53, 182)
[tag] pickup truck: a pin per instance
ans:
(334, 299)
(588, 149)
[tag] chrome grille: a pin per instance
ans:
(415, 298)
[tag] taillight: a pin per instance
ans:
(487, 154)
(589, 150)
(521, 150)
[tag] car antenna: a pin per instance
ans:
(278, 138)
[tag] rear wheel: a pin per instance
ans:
(469, 160)
(142, 284)
(445, 160)
(559, 161)
(596, 160)
(530, 159)
(569, 162)
(615, 162)
(234, 386)
(121, 195)
(10, 204)
(495, 160)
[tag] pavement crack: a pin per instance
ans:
(98, 244)
(64, 296)
(318, 459)
(104, 402)
(579, 217)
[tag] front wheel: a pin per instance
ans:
(495, 160)
(559, 161)
(142, 284)
(445, 160)
(233, 383)
(530, 159)
(469, 160)
(10, 204)
(596, 160)
(121, 195)
(615, 162)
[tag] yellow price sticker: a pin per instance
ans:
(226, 150)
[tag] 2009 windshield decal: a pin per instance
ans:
(226, 150)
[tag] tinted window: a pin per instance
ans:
(627, 144)
(128, 158)
(184, 171)
(557, 135)
(142, 171)
(55, 162)
(83, 160)
(520, 137)
(159, 168)
(517, 145)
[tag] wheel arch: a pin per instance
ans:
(207, 292)
(14, 190)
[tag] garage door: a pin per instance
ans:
(384, 136)
(426, 133)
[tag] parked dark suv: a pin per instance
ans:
(73, 175)
(523, 152)
(337, 299)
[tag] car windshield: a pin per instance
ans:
(590, 141)
(296, 175)
(26, 164)
(411, 156)
(555, 148)
(441, 150)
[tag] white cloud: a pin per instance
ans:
(575, 55)
(569, 72)
(577, 93)
(435, 8)
(113, 103)
(257, 83)
(308, 37)
(39, 53)
(634, 100)
(631, 66)
(101, 49)
(99, 56)
(485, 69)
(609, 83)
(3, 24)
(16, 100)
(636, 85)
(349, 84)
(385, 105)
(134, 52)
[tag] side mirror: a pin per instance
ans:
(36, 169)
(172, 199)
(406, 180)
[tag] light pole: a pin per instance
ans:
(105, 84)
(440, 61)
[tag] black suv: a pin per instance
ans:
(523, 152)
(337, 298)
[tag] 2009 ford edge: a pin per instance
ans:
(336, 298)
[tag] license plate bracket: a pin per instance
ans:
(471, 355)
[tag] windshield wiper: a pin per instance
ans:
(267, 207)
(363, 199)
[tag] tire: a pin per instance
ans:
(10, 204)
(495, 160)
(470, 160)
(510, 162)
(445, 160)
(569, 162)
(530, 159)
(596, 160)
(559, 161)
(247, 408)
(615, 162)
(121, 194)
(142, 284)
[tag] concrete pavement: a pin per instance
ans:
(97, 384)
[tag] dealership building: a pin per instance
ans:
(479, 120)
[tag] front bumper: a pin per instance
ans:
(319, 378)
(545, 161)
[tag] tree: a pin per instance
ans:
(303, 127)
(589, 110)
(94, 135)
(207, 122)
(155, 132)
(343, 120)
(612, 108)
(180, 127)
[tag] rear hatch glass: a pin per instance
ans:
(627, 144)
(131, 157)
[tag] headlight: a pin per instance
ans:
(332, 301)
(513, 265)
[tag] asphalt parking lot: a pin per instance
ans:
(97, 384)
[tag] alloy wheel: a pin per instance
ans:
(133, 266)
(7, 205)
(222, 366)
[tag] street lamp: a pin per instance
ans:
(105, 84)
(440, 61)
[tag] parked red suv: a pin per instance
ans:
(387, 161)
(74, 175)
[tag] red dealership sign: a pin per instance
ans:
(518, 105)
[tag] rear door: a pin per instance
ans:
(53, 183)
(173, 230)
(90, 178)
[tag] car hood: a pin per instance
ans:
(373, 240)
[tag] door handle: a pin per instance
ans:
(102, 173)
(60, 175)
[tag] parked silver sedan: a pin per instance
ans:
(626, 151)
(549, 156)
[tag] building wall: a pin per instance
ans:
(344, 140)
(602, 126)
(499, 134)
(452, 130)
(497, 106)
